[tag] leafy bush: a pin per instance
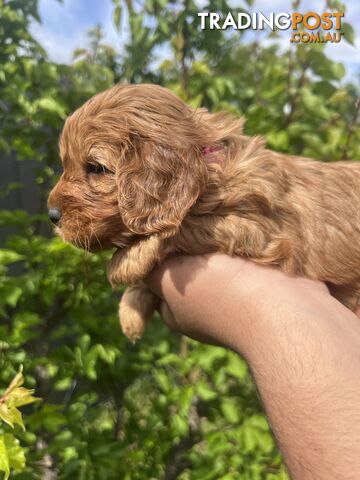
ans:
(15, 396)
(168, 407)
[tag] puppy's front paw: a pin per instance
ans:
(130, 265)
(137, 305)
(132, 322)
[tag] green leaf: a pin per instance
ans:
(9, 256)
(179, 425)
(15, 452)
(212, 94)
(52, 106)
(12, 295)
(278, 140)
(237, 367)
(314, 104)
(336, 5)
(15, 396)
(348, 32)
(202, 68)
(163, 380)
(4, 458)
(339, 97)
(230, 409)
(117, 16)
(205, 392)
(338, 70)
(11, 454)
(6, 414)
(164, 26)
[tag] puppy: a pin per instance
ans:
(150, 176)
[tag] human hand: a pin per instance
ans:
(302, 346)
(215, 298)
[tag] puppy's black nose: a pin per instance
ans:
(54, 215)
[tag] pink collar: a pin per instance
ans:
(214, 154)
(214, 149)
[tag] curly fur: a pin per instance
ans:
(160, 193)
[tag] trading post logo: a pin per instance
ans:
(309, 27)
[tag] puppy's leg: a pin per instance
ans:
(137, 305)
(130, 265)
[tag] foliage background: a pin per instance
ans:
(167, 408)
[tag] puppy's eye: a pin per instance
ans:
(96, 168)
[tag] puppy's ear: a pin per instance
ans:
(158, 185)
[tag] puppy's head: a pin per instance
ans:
(133, 160)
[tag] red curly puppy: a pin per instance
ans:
(149, 175)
